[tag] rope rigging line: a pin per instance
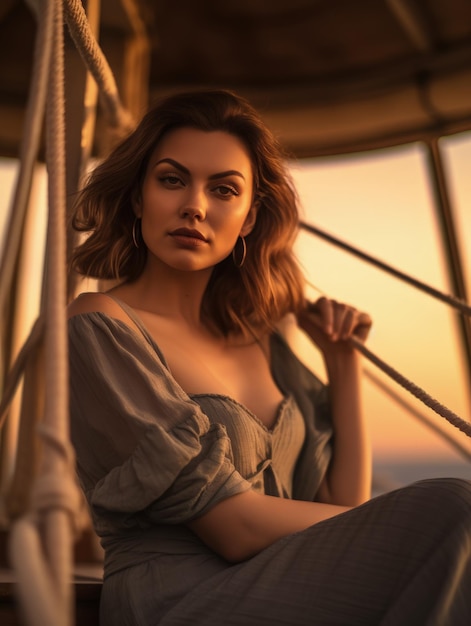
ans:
(27, 158)
(42, 531)
(97, 64)
(456, 303)
(462, 425)
(19, 366)
(41, 534)
(414, 389)
(422, 417)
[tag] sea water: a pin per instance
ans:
(394, 473)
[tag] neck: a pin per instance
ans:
(170, 293)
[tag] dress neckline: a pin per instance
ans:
(286, 397)
(284, 403)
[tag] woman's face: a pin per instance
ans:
(196, 199)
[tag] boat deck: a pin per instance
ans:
(87, 588)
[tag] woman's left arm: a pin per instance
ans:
(330, 325)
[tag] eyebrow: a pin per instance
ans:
(186, 171)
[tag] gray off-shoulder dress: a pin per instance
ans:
(150, 458)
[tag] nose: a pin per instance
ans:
(194, 205)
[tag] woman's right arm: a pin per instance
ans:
(134, 445)
(241, 526)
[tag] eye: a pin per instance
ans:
(226, 191)
(171, 180)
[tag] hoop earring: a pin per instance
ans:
(244, 253)
(135, 234)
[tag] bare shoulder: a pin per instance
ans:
(89, 303)
(97, 302)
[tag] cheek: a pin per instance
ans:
(154, 207)
(150, 222)
(235, 217)
(230, 225)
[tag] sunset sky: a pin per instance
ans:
(380, 202)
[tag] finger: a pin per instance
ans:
(363, 326)
(349, 323)
(323, 307)
(341, 319)
(357, 325)
(338, 320)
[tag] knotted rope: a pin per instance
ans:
(40, 540)
(44, 564)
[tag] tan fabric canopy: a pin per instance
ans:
(331, 76)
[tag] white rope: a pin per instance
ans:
(40, 540)
(56, 412)
(28, 154)
(35, 588)
(44, 565)
(98, 66)
(19, 366)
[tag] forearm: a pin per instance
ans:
(243, 525)
(348, 481)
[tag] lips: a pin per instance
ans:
(188, 232)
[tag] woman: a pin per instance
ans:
(227, 484)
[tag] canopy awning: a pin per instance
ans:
(330, 76)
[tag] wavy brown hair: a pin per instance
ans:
(270, 283)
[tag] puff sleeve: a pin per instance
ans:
(146, 453)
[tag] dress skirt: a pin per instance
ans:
(401, 559)
(151, 457)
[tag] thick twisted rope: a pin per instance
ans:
(19, 366)
(44, 566)
(98, 66)
(56, 460)
(28, 153)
